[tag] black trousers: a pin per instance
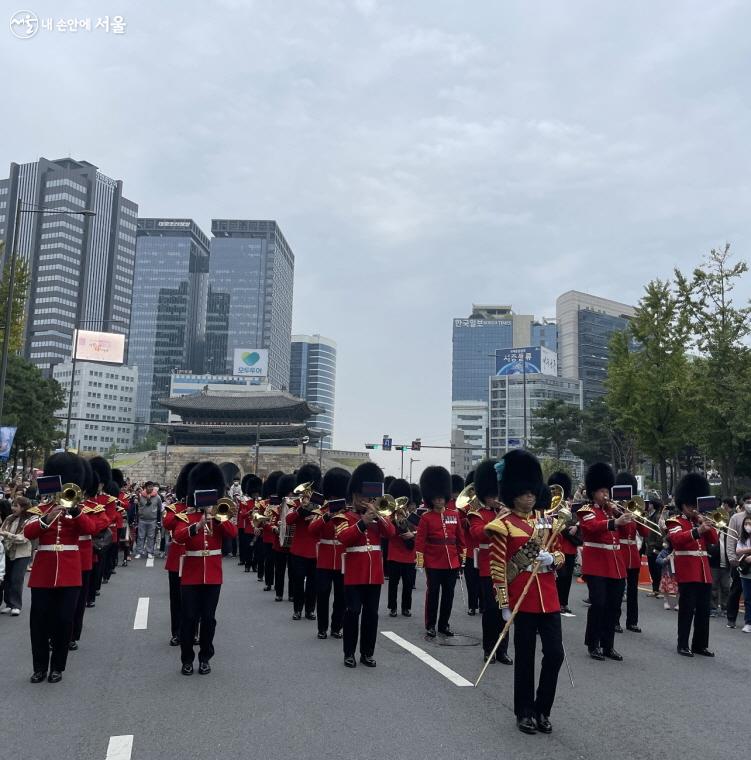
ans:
(605, 595)
(175, 602)
(734, 596)
(361, 611)
(229, 546)
(564, 576)
(527, 625)
(198, 602)
(281, 563)
(632, 597)
(325, 579)
(655, 572)
(492, 620)
(440, 584)
(303, 571)
(403, 572)
(693, 606)
(51, 623)
(95, 582)
(268, 564)
(472, 578)
(80, 606)
(243, 547)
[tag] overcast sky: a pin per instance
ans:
(419, 155)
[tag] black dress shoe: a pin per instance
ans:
(685, 651)
(349, 662)
(322, 635)
(311, 616)
(336, 634)
(55, 676)
(369, 662)
(38, 676)
(392, 613)
(430, 632)
(265, 588)
(543, 724)
(611, 654)
(204, 668)
(596, 653)
(618, 629)
(703, 652)
(471, 612)
(634, 628)
(445, 631)
(247, 569)
(406, 613)
(89, 605)
(174, 641)
(526, 725)
(113, 572)
(97, 593)
(297, 616)
(504, 659)
(105, 580)
(290, 599)
(73, 646)
(278, 599)
(196, 640)
(187, 669)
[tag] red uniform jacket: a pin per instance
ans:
(478, 519)
(440, 539)
(690, 550)
(470, 541)
(95, 512)
(330, 549)
(303, 543)
(272, 523)
(57, 562)
(629, 549)
(110, 507)
(362, 562)
(267, 535)
(202, 560)
(403, 550)
(174, 515)
(245, 515)
(507, 535)
(601, 553)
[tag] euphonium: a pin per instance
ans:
(70, 496)
(223, 510)
(467, 500)
(557, 502)
(400, 513)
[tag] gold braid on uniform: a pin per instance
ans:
(497, 531)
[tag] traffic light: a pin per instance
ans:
(416, 444)
(372, 446)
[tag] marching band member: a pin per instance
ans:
(174, 514)
(471, 575)
(568, 543)
(485, 481)
(284, 487)
(515, 544)
(362, 562)
(269, 499)
(108, 557)
(122, 516)
(402, 555)
(252, 543)
(631, 558)
(302, 550)
(440, 548)
(602, 563)
(329, 559)
(690, 533)
(201, 572)
(55, 579)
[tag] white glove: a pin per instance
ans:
(545, 559)
(506, 614)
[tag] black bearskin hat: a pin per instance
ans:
(181, 484)
(457, 484)
(269, 485)
(435, 483)
(309, 473)
(68, 466)
(387, 481)
(486, 480)
(251, 484)
(112, 488)
(400, 487)
(102, 470)
(625, 478)
(118, 477)
(690, 487)
(367, 472)
(599, 475)
(563, 480)
(335, 483)
(285, 485)
(470, 478)
(90, 487)
(521, 473)
(205, 476)
(544, 498)
(415, 494)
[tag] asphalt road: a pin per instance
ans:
(276, 691)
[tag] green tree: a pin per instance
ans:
(721, 375)
(20, 292)
(647, 392)
(601, 439)
(554, 424)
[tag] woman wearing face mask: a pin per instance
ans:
(743, 552)
(734, 529)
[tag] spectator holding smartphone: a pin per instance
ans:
(17, 556)
(743, 553)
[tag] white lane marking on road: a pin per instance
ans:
(150, 562)
(142, 614)
(120, 747)
(438, 666)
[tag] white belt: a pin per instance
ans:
(609, 547)
(203, 553)
(629, 541)
(692, 553)
(364, 548)
(330, 542)
(84, 538)
(57, 548)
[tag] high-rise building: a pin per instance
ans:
(586, 324)
(103, 408)
(313, 378)
(251, 275)
(81, 267)
(168, 319)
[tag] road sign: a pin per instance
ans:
(387, 443)
(416, 444)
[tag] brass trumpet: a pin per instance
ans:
(385, 506)
(223, 510)
(70, 496)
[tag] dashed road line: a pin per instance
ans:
(431, 662)
(120, 747)
(142, 614)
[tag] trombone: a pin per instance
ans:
(635, 507)
(718, 519)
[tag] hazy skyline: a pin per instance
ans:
(419, 157)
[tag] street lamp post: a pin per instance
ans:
(11, 282)
(410, 467)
